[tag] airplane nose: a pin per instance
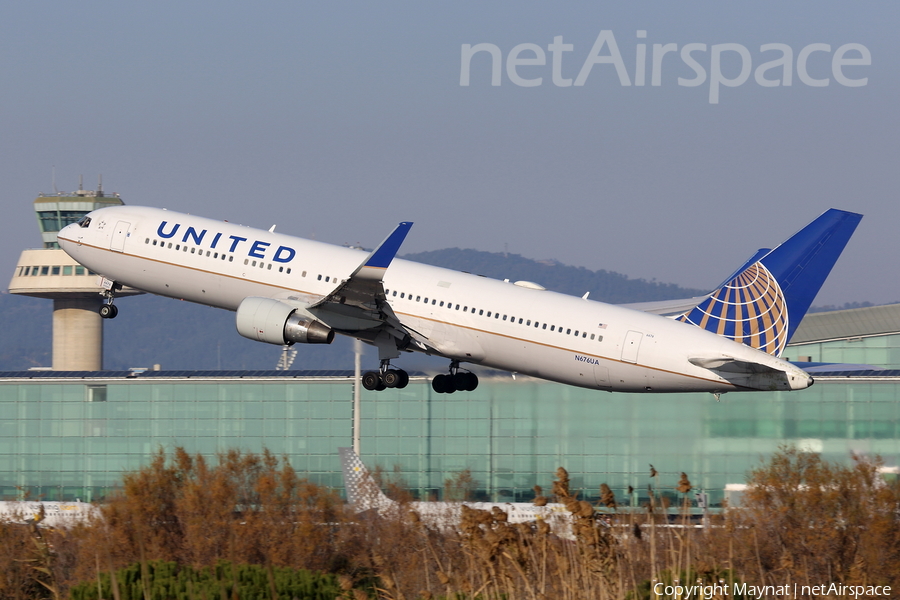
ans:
(810, 381)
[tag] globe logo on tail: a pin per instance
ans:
(749, 309)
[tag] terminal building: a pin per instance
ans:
(70, 433)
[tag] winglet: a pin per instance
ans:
(382, 256)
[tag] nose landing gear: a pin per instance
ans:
(108, 310)
(385, 377)
(455, 381)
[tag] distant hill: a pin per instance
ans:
(24, 332)
(604, 286)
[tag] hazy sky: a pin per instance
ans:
(337, 120)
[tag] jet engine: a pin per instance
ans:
(275, 322)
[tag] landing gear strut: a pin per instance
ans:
(108, 310)
(456, 380)
(385, 377)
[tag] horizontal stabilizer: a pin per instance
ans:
(727, 364)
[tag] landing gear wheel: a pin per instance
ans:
(439, 384)
(466, 382)
(371, 380)
(391, 378)
(443, 384)
(108, 311)
(456, 380)
(404, 380)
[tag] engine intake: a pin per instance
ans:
(274, 322)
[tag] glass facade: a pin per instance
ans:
(66, 438)
(879, 350)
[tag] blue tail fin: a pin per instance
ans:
(764, 302)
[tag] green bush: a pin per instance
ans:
(169, 581)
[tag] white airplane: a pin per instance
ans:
(365, 495)
(290, 290)
(47, 514)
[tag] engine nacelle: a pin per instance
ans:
(274, 322)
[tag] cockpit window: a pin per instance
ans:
(84, 221)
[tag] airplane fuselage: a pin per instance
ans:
(461, 316)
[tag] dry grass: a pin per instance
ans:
(805, 520)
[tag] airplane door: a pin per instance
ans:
(631, 346)
(117, 242)
(601, 377)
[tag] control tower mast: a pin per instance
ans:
(49, 272)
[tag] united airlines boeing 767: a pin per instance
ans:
(289, 290)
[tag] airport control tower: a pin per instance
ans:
(49, 272)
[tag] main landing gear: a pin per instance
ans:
(455, 381)
(385, 378)
(108, 310)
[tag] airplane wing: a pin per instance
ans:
(358, 303)
(363, 288)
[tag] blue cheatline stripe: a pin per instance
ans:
(383, 255)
